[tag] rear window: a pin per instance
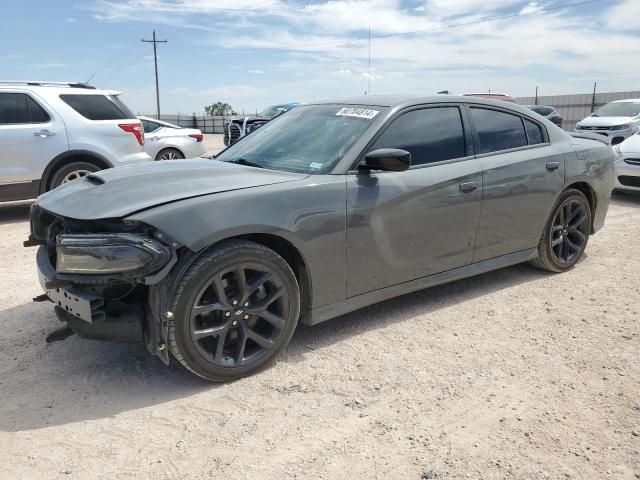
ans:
(98, 107)
(498, 130)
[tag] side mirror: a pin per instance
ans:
(387, 159)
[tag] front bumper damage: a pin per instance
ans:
(104, 307)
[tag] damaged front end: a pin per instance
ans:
(106, 278)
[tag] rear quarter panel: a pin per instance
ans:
(310, 214)
(593, 163)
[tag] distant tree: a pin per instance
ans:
(219, 109)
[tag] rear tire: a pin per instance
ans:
(169, 154)
(234, 310)
(566, 233)
(71, 171)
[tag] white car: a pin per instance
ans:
(616, 120)
(165, 141)
(628, 164)
(52, 133)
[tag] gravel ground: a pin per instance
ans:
(513, 374)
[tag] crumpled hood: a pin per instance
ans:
(119, 192)
(604, 121)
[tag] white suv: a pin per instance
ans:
(52, 133)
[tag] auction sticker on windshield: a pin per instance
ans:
(357, 112)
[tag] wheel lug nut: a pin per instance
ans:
(235, 302)
(227, 314)
(235, 322)
(246, 317)
(246, 304)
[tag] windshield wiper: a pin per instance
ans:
(244, 161)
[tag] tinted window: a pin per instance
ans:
(498, 130)
(149, 126)
(430, 135)
(38, 115)
(13, 108)
(534, 132)
(98, 107)
(16, 108)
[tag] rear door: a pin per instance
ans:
(31, 134)
(406, 225)
(522, 176)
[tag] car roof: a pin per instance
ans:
(58, 87)
(402, 101)
(627, 100)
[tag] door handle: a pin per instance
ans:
(551, 166)
(154, 138)
(44, 133)
(468, 187)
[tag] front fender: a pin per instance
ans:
(309, 214)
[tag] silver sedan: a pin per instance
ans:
(166, 141)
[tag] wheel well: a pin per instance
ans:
(590, 194)
(66, 159)
(292, 256)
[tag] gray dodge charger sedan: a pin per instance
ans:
(326, 209)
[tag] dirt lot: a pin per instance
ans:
(513, 374)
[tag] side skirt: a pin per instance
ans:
(19, 191)
(333, 310)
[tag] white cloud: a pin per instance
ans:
(256, 72)
(560, 50)
(71, 20)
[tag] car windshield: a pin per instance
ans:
(308, 139)
(619, 109)
(273, 111)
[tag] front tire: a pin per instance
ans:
(235, 310)
(70, 172)
(566, 233)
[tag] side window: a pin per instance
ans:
(430, 135)
(37, 113)
(534, 132)
(13, 109)
(498, 130)
(97, 107)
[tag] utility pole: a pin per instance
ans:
(536, 96)
(155, 62)
(593, 98)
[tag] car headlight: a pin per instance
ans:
(621, 127)
(578, 126)
(109, 253)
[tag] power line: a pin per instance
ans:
(110, 63)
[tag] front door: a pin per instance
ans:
(30, 137)
(405, 225)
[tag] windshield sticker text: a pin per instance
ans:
(357, 112)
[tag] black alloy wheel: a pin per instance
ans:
(569, 231)
(566, 233)
(236, 308)
(239, 314)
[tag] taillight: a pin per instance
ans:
(136, 129)
(197, 136)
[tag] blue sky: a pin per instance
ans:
(255, 53)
